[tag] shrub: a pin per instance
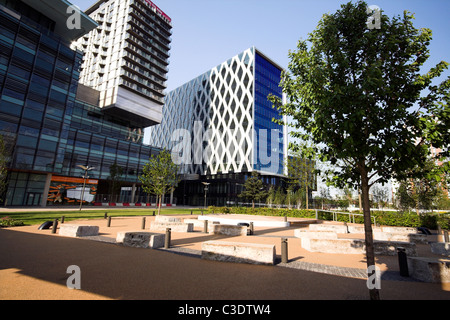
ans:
(9, 222)
(386, 218)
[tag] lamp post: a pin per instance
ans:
(85, 176)
(206, 184)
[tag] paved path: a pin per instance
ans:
(33, 266)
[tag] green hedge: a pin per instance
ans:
(386, 218)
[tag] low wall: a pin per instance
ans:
(442, 248)
(141, 239)
(405, 230)
(199, 223)
(256, 222)
(302, 233)
(174, 226)
(229, 230)
(356, 246)
(74, 230)
(406, 237)
(429, 269)
(238, 252)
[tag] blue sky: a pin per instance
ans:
(209, 32)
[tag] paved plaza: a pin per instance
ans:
(34, 266)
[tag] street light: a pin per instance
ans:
(206, 184)
(86, 169)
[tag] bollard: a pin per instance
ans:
(143, 223)
(191, 212)
(55, 225)
(285, 218)
(109, 222)
(284, 250)
(202, 212)
(446, 238)
(153, 213)
(106, 215)
(252, 230)
(205, 226)
(62, 219)
(167, 239)
(403, 262)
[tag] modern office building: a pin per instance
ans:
(53, 125)
(126, 58)
(219, 127)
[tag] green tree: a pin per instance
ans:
(354, 92)
(159, 176)
(254, 189)
(301, 175)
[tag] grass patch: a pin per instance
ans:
(38, 217)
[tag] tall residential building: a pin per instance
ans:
(53, 125)
(219, 127)
(126, 59)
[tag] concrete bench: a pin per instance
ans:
(356, 246)
(429, 269)
(238, 252)
(406, 237)
(167, 219)
(74, 230)
(442, 248)
(199, 223)
(229, 230)
(329, 227)
(174, 226)
(141, 239)
(301, 233)
(405, 230)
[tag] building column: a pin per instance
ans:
(46, 190)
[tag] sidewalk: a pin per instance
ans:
(345, 273)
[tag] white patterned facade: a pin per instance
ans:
(209, 122)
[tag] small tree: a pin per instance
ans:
(160, 175)
(301, 175)
(253, 189)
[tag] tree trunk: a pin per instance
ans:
(307, 196)
(370, 252)
(160, 204)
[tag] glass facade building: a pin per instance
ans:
(219, 127)
(52, 124)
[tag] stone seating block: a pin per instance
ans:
(238, 252)
(302, 233)
(167, 219)
(442, 248)
(329, 227)
(74, 230)
(429, 269)
(174, 226)
(356, 246)
(141, 239)
(406, 237)
(229, 230)
(406, 230)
